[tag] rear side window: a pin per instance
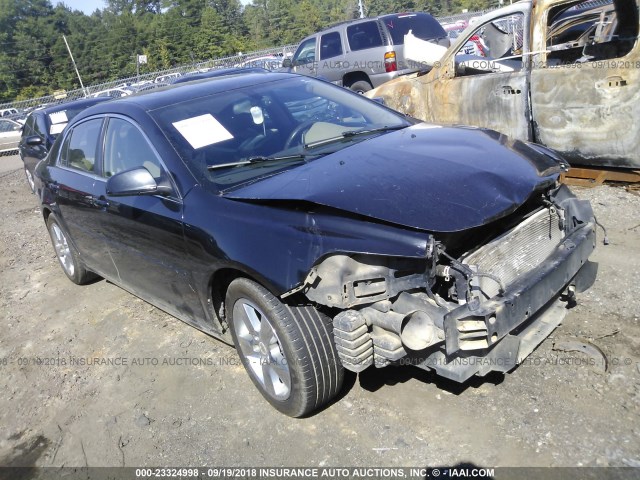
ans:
(39, 128)
(422, 25)
(364, 35)
(28, 126)
(587, 31)
(330, 45)
(81, 146)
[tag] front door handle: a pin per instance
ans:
(100, 202)
(509, 90)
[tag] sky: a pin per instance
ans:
(89, 6)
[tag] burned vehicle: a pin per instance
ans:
(317, 230)
(561, 73)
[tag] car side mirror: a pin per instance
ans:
(33, 140)
(287, 63)
(137, 181)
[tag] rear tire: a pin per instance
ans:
(288, 352)
(67, 255)
(361, 86)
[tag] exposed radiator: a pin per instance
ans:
(516, 252)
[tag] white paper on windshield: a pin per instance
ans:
(202, 130)
(56, 128)
(59, 117)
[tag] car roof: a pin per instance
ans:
(83, 102)
(181, 92)
(217, 73)
(368, 19)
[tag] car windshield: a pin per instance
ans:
(239, 135)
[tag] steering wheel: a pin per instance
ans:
(299, 130)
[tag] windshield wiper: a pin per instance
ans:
(354, 133)
(258, 159)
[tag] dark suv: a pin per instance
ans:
(364, 53)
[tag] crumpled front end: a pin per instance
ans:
(465, 308)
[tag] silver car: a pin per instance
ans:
(365, 53)
(10, 131)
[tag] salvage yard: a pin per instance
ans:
(94, 376)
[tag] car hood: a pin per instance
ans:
(439, 179)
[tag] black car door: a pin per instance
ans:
(75, 179)
(145, 232)
(32, 154)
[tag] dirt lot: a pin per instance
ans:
(93, 376)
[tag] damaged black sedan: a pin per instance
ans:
(318, 230)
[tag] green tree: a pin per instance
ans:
(211, 36)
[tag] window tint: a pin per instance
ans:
(126, 148)
(306, 52)
(28, 125)
(422, 25)
(591, 30)
(82, 145)
(330, 45)
(39, 128)
(364, 35)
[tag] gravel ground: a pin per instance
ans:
(152, 404)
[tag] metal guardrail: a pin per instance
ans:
(223, 62)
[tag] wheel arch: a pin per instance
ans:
(219, 282)
(352, 77)
(46, 211)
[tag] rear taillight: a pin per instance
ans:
(390, 64)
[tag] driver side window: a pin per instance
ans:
(126, 148)
(496, 46)
(306, 52)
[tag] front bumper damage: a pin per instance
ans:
(403, 323)
(521, 319)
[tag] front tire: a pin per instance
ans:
(67, 255)
(288, 352)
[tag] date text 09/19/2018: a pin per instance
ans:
(313, 472)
